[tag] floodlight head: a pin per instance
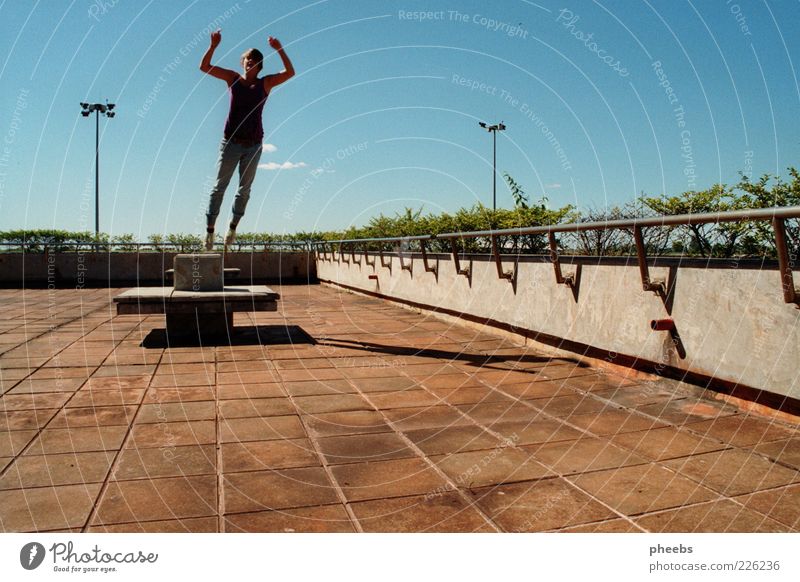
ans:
(501, 127)
(110, 114)
(86, 113)
(482, 124)
(85, 105)
(110, 106)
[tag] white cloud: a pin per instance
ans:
(553, 186)
(283, 166)
(268, 148)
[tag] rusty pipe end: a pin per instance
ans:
(662, 325)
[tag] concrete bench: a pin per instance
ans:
(199, 304)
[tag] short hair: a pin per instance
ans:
(257, 54)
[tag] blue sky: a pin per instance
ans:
(602, 100)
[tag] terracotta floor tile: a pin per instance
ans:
(614, 422)
(178, 380)
(666, 443)
(400, 477)
(176, 369)
(601, 381)
(502, 377)
(176, 412)
(404, 399)
(538, 430)
(256, 407)
(61, 372)
(263, 455)
(384, 384)
(319, 387)
(84, 439)
(166, 462)
(157, 499)
(64, 469)
(32, 401)
(12, 442)
(568, 406)
(245, 366)
(723, 516)
(182, 394)
(93, 416)
(123, 371)
(687, 411)
(781, 504)
(235, 430)
(734, 472)
(436, 441)
(744, 430)
(363, 448)
(189, 525)
(84, 399)
(785, 452)
(610, 526)
(330, 403)
(426, 417)
(116, 383)
(243, 391)
(443, 380)
(500, 412)
(472, 469)
(344, 423)
(25, 419)
(327, 518)
(265, 490)
(583, 455)
(541, 389)
(640, 395)
(47, 508)
(172, 434)
(29, 386)
(642, 488)
(539, 505)
(446, 512)
(315, 374)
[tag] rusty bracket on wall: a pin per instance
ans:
(428, 269)
(353, 254)
(457, 262)
(403, 266)
(507, 275)
(384, 264)
(366, 259)
(568, 280)
(658, 286)
(785, 263)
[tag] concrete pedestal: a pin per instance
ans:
(198, 272)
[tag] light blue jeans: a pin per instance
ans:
(231, 155)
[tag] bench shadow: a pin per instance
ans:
(483, 361)
(252, 335)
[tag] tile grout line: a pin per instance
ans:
(118, 454)
(413, 446)
(325, 466)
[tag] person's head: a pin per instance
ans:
(252, 59)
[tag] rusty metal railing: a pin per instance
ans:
(776, 216)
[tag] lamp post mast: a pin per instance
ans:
(493, 129)
(106, 109)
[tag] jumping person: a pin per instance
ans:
(241, 144)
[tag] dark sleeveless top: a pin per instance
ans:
(244, 118)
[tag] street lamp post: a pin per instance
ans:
(493, 129)
(106, 109)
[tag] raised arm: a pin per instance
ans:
(205, 65)
(287, 73)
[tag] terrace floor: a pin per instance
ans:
(344, 413)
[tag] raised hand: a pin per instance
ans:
(216, 37)
(275, 43)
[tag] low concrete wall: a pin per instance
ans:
(112, 269)
(732, 324)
